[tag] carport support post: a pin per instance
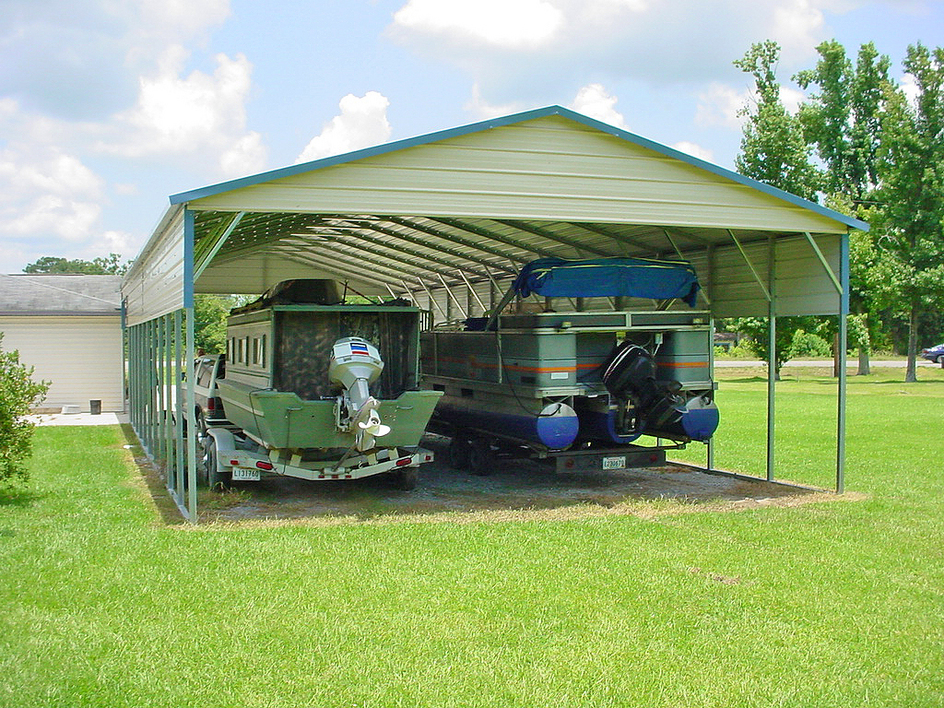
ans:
(843, 336)
(771, 355)
(191, 422)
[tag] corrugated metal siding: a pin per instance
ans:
(547, 168)
(155, 285)
(80, 355)
(256, 273)
(802, 285)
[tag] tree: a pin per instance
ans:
(910, 277)
(758, 331)
(209, 322)
(843, 122)
(17, 393)
(774, 151)
(109, 265)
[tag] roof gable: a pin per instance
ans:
(547, 163)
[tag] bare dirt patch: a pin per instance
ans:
(517, 489)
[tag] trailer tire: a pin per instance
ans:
(460, 454)
(481, 457)
(407, 478)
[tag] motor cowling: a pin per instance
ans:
(355, 364)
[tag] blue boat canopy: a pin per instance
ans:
(609, 277)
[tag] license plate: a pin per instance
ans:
(243, 474)
(614, 463)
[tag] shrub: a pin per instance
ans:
(18, 392)
(809, 344)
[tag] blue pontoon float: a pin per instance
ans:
(577, 380)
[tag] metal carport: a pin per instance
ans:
(448, 218)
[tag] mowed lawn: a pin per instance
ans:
(837, 603)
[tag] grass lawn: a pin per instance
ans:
(838, 603)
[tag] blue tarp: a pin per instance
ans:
(609, 277)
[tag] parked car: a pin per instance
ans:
(935, 354)
(209, 405)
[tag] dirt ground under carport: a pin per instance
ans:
(518, 488)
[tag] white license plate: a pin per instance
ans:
(242, 474)
(614, 463)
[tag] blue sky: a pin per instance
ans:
(107, 107)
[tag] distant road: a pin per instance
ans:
(850, 363)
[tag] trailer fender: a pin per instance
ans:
(224, 439)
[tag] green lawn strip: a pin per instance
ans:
(827, 604)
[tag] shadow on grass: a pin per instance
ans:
(16, 496)
(153, 479)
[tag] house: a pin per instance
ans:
(69, 328)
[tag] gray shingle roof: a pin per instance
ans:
(29, 294)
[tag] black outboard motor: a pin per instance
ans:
(660, 406)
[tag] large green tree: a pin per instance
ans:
(774, 151)
(909, 278)
(842, 119)
(773, 148)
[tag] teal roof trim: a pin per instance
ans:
(511, 119)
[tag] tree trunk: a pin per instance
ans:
(911, 370)
(836, 355)
(864, 367)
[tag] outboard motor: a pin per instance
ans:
(661, 406)
(355, 364)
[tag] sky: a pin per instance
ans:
(108, 107)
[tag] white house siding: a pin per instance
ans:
(81, 355)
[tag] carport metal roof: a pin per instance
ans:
(467, 207)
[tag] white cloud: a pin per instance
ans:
(719, 104)
(791, 99)
(592, 100)
(513, 53)
(909, 86)
(361, 123)
(47, 193)
(199, 117)
(80, 59)
(695, 150)
(511, 24)
(484, 110)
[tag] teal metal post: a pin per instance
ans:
(771, 358)
(843, 344)
(181, 454)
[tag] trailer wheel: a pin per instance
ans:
(215, 479)
(460, 453)
(481, 457)
(407, 478)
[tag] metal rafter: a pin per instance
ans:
(452, 237)
(376, 226)
(331, 261)
(553, 236)
(622, 238)
(358, 231)
(377, 250)
(501, 238)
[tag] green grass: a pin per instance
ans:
(829, 604)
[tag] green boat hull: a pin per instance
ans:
(282, 420)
